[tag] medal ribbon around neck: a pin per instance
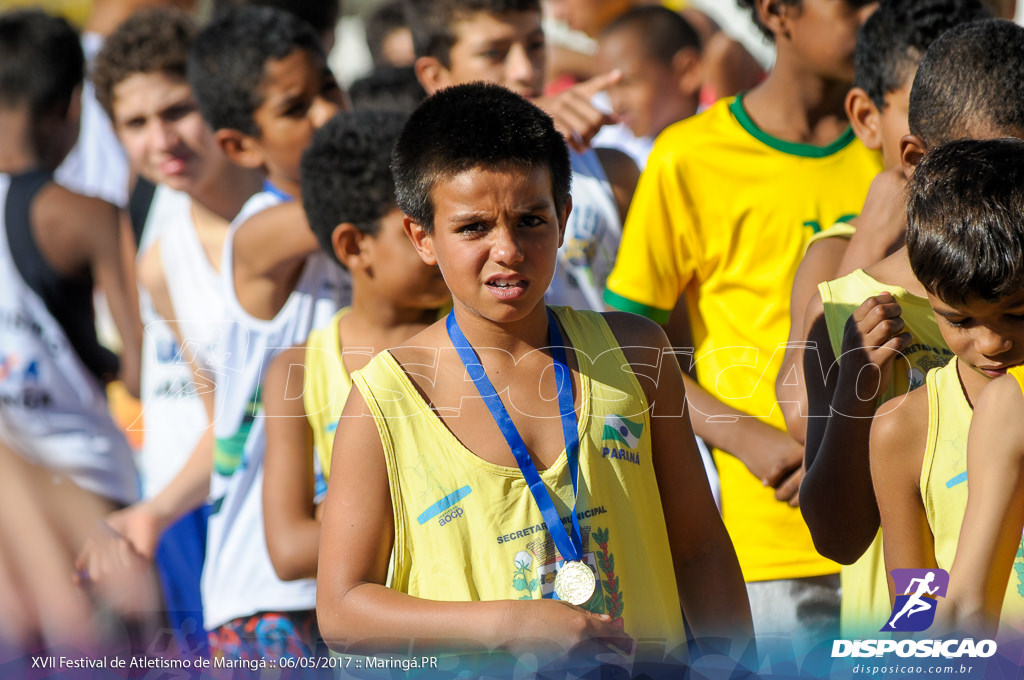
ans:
(570, 547)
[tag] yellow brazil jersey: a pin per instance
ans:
(722, 214)
(327, 385)
(944, 480)
(469, 530)
(865, 587)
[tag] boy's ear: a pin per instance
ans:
(347, 242)
(421, 240)
(865, 118)
(432, 74)
(240, 148)
(912, 150)
(686, 66)
(564, 220)
(775, 15)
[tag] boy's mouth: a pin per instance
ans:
(507, 289)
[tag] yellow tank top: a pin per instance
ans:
(469, 530)
(944, 480)
(865, 591)
(327, 385)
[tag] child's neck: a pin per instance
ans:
(516, 338)
(795, 106)
(972, 381)
(286, 186)
(16, 134)
(225, 194)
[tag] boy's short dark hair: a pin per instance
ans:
(381, 22)
(895, 37)
(965, 220)
(346, 173)
(972, 75)
(663, 32)
(431, 21)
(150, 41)
(322, 15)
(469, 126)
(387, 88)
(227, 62)
(41, 62)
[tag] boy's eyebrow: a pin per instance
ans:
(486, 214)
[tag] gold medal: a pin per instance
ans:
(575, 583)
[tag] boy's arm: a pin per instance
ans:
(269, 250)
(898, 438)
(991, 531)
(711, 588)
(357, 611)
(292, 531)
(622, 174)
(836, 497)
(819, 264)
(89, 232)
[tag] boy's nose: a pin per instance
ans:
(992, 343)
(520, 70)
(323, 110)
(165, 135)
(505, 248)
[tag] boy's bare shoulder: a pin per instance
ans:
(61, 208)
(899, 430)
(633, 330)
(422, 348)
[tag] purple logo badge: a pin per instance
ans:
(917, 590)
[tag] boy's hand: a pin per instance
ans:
(110, 566)
(788, 491)
(777, 460)
(559, 628)
(139, 526)
(574, 115)
(872, 338)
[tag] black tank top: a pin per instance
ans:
(68, 299)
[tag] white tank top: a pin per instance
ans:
(592, 238)
(173, 414)
(238, 577)
(52, 409)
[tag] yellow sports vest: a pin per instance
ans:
(865, 588)
(944, 480)
(469, 530)
(722, 214)
(327, 384)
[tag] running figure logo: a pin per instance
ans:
(914, 610)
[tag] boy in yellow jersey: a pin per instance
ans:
(890, 46)
(431, 462)
(965, 239)
(720, 220)
(890, 313)
(349, 198)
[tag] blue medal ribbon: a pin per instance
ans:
(570, 547)
(270, 188)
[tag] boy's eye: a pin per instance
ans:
(533, 221)
(494, 54)
(296, 109)
(134, 123)
(471, 228)
(178, 112)
(957, 323)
